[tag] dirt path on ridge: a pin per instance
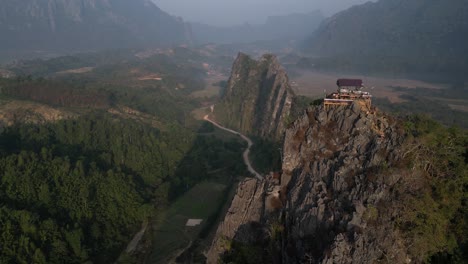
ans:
(246, 152)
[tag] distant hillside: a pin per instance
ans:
(398, 36)
(294, 26)
(57, 26)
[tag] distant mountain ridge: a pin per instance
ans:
(83, 25)
(403, 35)
(292, 26)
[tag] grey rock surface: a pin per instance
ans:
(336, 189)
(333, 162)
(258, 97)
(245, 212)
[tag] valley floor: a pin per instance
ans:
(247, 161)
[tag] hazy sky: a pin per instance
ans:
(229, 12)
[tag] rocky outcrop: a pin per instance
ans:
(334, 201)
(258, 97)
(245, 212)
(338, 191)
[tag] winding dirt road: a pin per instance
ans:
(246, 152)
(136, 239)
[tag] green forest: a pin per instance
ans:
(76, 190)
(434, 217)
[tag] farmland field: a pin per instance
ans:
(170, 235)
(212, 89)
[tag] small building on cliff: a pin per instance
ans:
(349, 90)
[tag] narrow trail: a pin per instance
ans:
(246, 152)
(136, 239)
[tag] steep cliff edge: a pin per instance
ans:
(257, 99)
(332, 173)
(355, 188)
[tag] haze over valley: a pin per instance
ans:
(233, 131)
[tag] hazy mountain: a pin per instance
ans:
(294, 26)
(77, 25)
(402, 35)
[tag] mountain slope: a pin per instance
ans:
(293, 26)
(397, 35)
(257, 99)
(71, 25)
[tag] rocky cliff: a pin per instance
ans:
(345, 196)
(335, 188)
(258, 97)
(80, 25)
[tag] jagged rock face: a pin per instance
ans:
(70, 25)
(258, 97)
(245, 212)
(335, 190)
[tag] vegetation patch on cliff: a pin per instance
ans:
(435, 208)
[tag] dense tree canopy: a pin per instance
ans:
(76, 190)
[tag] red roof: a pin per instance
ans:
(349, 82)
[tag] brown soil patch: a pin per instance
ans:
(30, 112)
(77, 71)
(129, 113)
(150, 77)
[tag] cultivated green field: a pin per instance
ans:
(211, 89)
(170, 235)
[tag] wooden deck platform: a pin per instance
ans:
(329, 102)
(334, 102)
